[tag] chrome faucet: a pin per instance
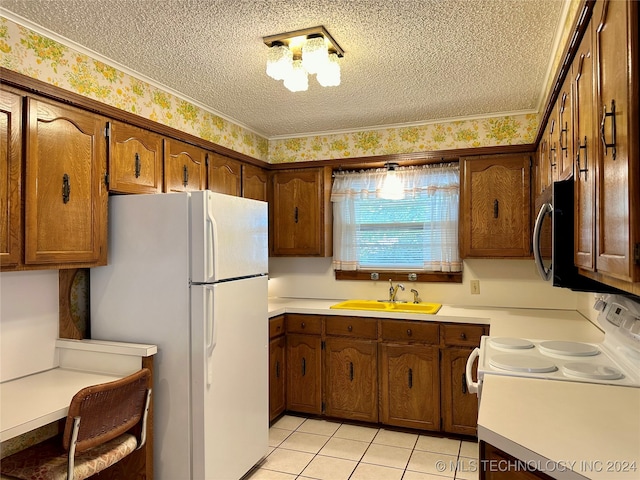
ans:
(393, 290)
(416, 298)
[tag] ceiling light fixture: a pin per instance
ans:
(392, 188)
(294, 55)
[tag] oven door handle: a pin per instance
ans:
(546, 274)
(472, 386)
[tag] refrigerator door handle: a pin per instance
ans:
(211, 333)
(211, 249)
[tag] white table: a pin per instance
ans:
(41, 398)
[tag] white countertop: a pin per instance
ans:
(591, 430)
(532, 323)
(597, 427)
(43, 397)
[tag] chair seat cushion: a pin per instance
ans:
(48, 460)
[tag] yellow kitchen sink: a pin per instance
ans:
(383, 306)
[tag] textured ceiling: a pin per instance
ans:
(406, 61)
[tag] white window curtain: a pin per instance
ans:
(418, 231)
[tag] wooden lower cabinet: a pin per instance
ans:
(304, 373)
(403, 373)
(277, 376)
(351, 383)
(499, 465)
(459, 407)
(410, 386)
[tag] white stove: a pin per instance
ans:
(615, 361)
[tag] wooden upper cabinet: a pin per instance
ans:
(585, 153)
(10, 178)
(564, 157)
(135, 159)
(495, 214)
(224, 174)
(254, 183)
(184, 166)
(65, 191)
(301, 213)
(618, 172)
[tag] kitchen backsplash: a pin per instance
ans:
(503, 283)
(28, 322)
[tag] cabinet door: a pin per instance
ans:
(564, 159)
(498, 465)
(184, 167)
(496, 206)
(10, 178)
(410, 386)
(135, 159)
(301, 225)
(254, 183)
(459, 407)
(65, 192)
(351, 383)
(304, 374)
(277, 377)
(617, 201)
(224, 174)
(585, 146)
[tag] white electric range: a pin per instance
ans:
(615, 361)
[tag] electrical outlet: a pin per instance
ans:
(475, 287)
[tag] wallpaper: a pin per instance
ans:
(27, 52)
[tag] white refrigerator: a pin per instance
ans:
(188, 272)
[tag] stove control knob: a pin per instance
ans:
(600, 305)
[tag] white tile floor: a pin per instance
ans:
(317, 449)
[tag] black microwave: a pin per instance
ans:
(553, 237)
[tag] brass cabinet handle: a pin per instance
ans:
(66, 188)
(496, 208)
(304, 366)
(409, 332)
(350, 328)
(464, 383)
(463, 336)
(611, 114)
(410, 378)
(295, 215)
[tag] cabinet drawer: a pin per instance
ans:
(276, 326)
(399, 330)
(297, 323)
(352, 326)
(462, 335)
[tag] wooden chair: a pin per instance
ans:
(105, 423)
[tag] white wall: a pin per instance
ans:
(28, 322)
(503, 283)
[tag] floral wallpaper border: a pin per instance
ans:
(30, 53)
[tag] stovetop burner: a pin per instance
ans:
(570, 349)
(591, 371)
(522, 363)
(511, 343)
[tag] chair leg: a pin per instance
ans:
(72, 448)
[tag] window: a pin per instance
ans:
(418, 232)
